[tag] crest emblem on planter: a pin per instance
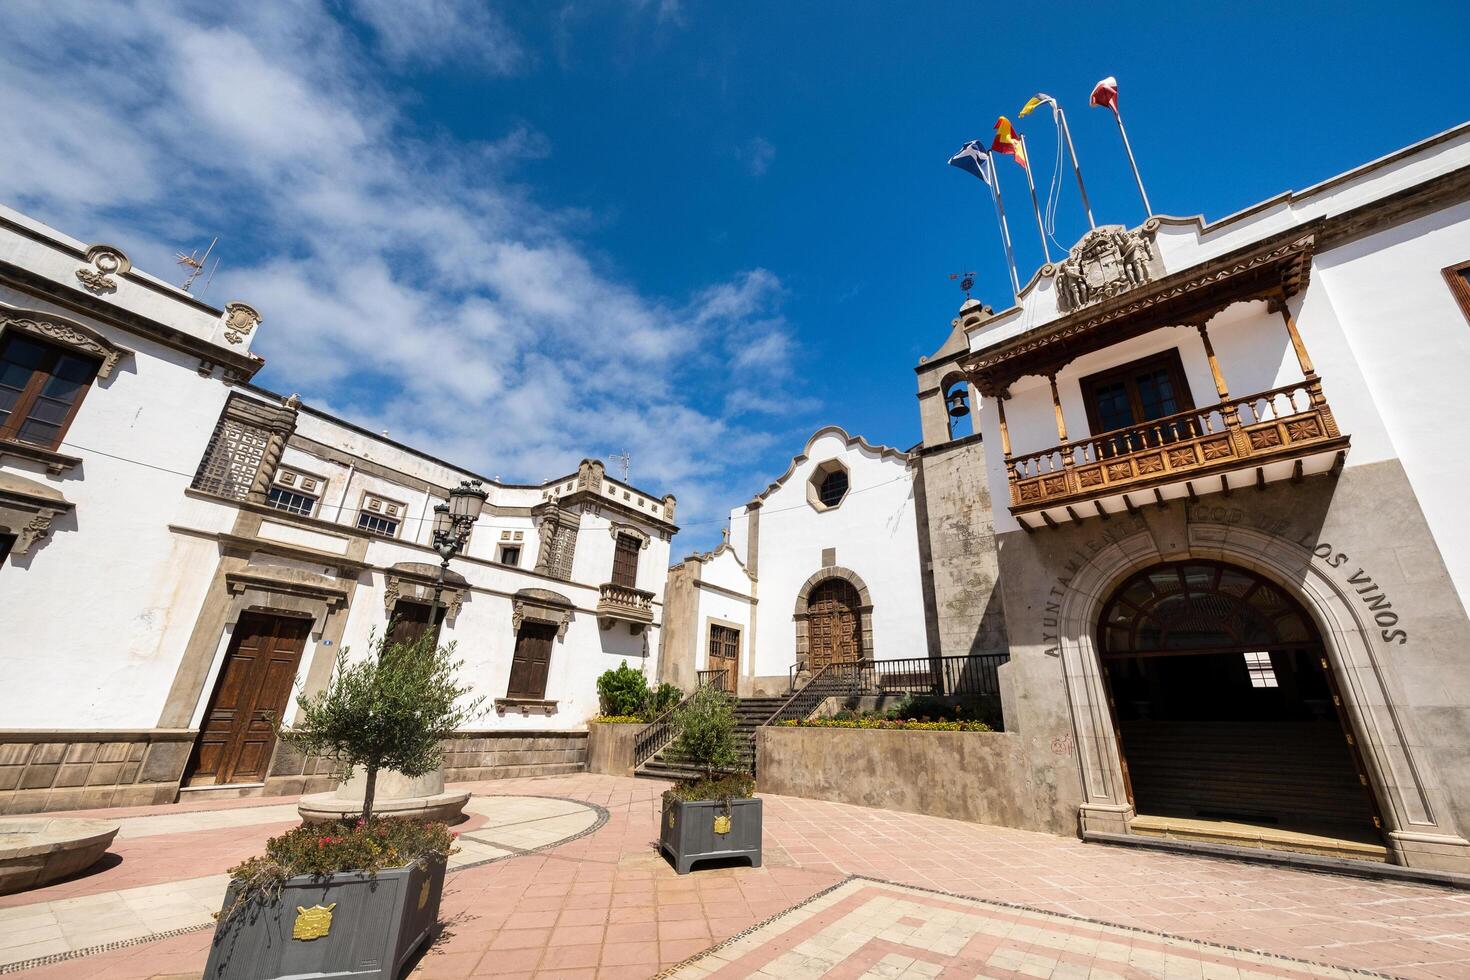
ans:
(313, 923)
(424, 895)
(722, 824)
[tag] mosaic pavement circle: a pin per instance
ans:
(869, 929)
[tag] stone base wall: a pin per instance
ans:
(978, 776)
(292, 773)
(71, 770)
(505, 755)
(610, 748)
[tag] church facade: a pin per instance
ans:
(182, 552)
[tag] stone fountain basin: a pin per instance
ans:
(38, 850)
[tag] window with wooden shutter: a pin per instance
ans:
(625, 561)
(41, 387)
(532, 661)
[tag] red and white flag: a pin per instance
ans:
(1106, 94)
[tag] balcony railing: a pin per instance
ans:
(623, 603)
(1283, 423)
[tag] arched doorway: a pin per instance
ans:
(834, 624)
(1224, 705)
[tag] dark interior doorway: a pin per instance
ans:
(1225, 707)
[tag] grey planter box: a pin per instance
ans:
(687, 832)
(375, 925)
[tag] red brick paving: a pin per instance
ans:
(610, 895)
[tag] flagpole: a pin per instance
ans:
(1148, 209)
(1076, 167)
(1005, 231)
(1040, 227)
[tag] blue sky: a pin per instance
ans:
(520, 234)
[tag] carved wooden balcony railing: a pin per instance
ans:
(1286, 423)
(623, 603)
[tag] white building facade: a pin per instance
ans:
(182, 553)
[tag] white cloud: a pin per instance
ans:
(757, 155)
(429, 33)
(403, 278)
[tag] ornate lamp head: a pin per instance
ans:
(466, 501)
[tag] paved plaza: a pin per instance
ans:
(559, 877)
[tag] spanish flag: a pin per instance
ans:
(1007, 140)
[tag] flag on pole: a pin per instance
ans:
(1007, 140)
(1036, 102)
(973, 159)
(1105, 94)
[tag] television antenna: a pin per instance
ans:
(623, 459)
(195, 264)
(967, 281)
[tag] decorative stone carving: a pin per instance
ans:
(616, 529)
(240, 320)
(415, 581)
(590, 474)
(541, 606)
(245, 448)
(558, 540)
(66, 333)
(27, 509)
(1107, 261)
(104, 262)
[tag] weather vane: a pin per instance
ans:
(967, 281)
(195, 265)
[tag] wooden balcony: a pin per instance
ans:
(624, 604)
(1267, 436)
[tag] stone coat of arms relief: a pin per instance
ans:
(1107, 261)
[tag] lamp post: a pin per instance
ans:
(452, 523)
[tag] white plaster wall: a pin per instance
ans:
(1412, 344)
(97, 615)
(875, 535)
(725, 572)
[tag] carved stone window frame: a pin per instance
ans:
(64, 332)
(415, 581)
(820, 472)
(27, 509)
(283, 592)
(541, 606)
(616, 528)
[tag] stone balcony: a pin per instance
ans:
(624, 604)
(1283, 433)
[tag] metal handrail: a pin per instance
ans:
(657, 734)
(717, 678)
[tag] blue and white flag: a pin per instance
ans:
(973, 158)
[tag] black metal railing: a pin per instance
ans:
(830, 681)
(717, 679)
(972, 676)
(657, 734)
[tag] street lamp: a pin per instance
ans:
(452, 524)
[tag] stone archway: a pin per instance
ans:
(1420, 829)
(803, 612)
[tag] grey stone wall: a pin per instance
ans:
(503, 755)
(676, 660)
(610, 748)
(957, 551)
(983, 777)
(70, 770)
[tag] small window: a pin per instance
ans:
(510, 554)
(625, 561)
(1260, 669)
(1458, 276)
(834, 488)
(384, 527)
(1128, 396)
(41, 387)
(290, 501)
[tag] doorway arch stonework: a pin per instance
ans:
(802, 614)
(1419, 828)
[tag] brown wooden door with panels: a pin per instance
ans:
(833, 624)
(250, 697)
(532, 661)
(724, 653)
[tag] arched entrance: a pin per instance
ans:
(1224, 706)
(834, 624)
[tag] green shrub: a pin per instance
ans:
(619, 720)
(661, 699)
(736, 786)
(623, 691)
(707, 732)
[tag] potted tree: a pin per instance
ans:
(716, 815)
(357, 897)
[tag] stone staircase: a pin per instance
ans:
(750, 713)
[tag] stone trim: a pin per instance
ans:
(245, 448)
(501, 755)
(58, 769)
(68, 333)
(616, 528)
(416, 580)
(283, 591)
(1419, 825)
(526, 705)
(541, 606)
(884, 452)
(27, 509)
(55, 463)
(801, 615)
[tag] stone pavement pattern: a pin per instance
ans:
(606, 905)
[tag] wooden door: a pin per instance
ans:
(833, 624)
(625, 561)
(724, 653)
(531, 662)
(249, 698)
